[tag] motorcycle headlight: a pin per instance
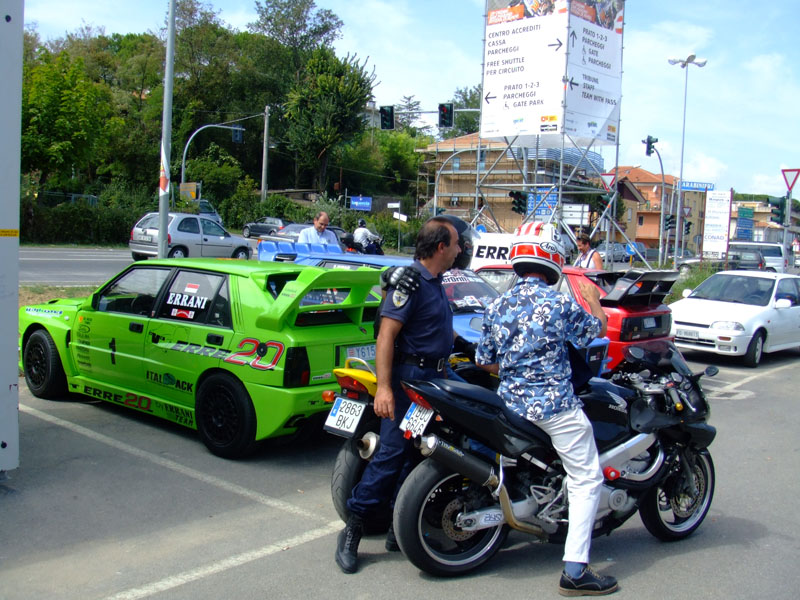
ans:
(729, 325)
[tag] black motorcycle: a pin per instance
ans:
(488, 469)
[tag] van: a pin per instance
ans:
(775, 255)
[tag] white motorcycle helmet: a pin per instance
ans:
(538, 248)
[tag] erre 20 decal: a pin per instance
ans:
(260, 349)
(127, 399)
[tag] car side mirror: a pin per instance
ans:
(783, 303)
(686, 291)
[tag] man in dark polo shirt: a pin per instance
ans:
(414, 342)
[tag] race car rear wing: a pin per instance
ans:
(636, 287)
(310, 295)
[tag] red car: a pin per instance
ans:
(632, 300)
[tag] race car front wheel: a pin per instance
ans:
(44, 373)
(226, 420)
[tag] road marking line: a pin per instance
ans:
(232, 562)
(174, 466)
(744, 380)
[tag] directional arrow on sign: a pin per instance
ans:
(488, 97)
(574, 37)
(572, 84)
(558, 44)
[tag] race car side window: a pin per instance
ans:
(134, 292)
(195, 296)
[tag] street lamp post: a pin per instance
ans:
(684, 63)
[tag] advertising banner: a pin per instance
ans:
(717, 223)
(552, 68)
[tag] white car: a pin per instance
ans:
(740, 313)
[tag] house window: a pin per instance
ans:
(641, 220)
(456, 163)
(482, 160)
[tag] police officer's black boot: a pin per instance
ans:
(347, 544)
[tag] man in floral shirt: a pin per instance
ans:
(524, 340)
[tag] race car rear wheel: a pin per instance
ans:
(226, 420)
(44, 372)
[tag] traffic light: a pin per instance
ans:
(387, 117)
(687, 227)
(778, 210)
(519, 202)
(649, 144)
(669, 222)
(237, 134)
(446, 115)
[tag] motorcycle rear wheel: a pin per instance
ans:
(424, 521)
(671, 512)
(347, 472)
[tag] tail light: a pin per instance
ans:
(296, 369)
(351, 387)
(417, 398)
(169, 239)
(131, 234)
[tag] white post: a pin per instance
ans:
(10, 125)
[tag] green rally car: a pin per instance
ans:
(238, 350)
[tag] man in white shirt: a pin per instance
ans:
(318, 233)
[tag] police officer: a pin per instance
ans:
(414, 342)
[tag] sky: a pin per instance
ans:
(742, 121)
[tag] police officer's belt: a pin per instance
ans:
(421, 361)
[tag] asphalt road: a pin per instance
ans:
(111, 504)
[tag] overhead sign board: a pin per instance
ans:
(552, 68)
(544, 209)
(361, 202)
(400, 217)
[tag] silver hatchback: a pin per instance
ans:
(187, 235)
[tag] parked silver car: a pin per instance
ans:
(187, 235)
(618, 253)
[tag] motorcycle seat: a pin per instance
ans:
(477, 393)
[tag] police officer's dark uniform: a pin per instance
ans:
(421, 351)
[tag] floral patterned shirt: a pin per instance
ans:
(525, 330)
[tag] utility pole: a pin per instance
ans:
(265, 155)
(166, 135)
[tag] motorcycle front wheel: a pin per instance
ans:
(673, 510)
(424, 521)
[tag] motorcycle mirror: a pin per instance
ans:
(711, 370)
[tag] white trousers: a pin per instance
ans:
(573, 438)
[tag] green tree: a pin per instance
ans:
(465, 123)
(66, 121)
(325, 109)
(298, 25)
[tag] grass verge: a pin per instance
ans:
(39, 294)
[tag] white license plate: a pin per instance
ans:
(686, 333)
(344, 416)
(649, 322)
(363, 352)
(143, 238)
(416, 420)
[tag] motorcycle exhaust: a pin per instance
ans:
(460, 462)
(368, 445)
(478, 471)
